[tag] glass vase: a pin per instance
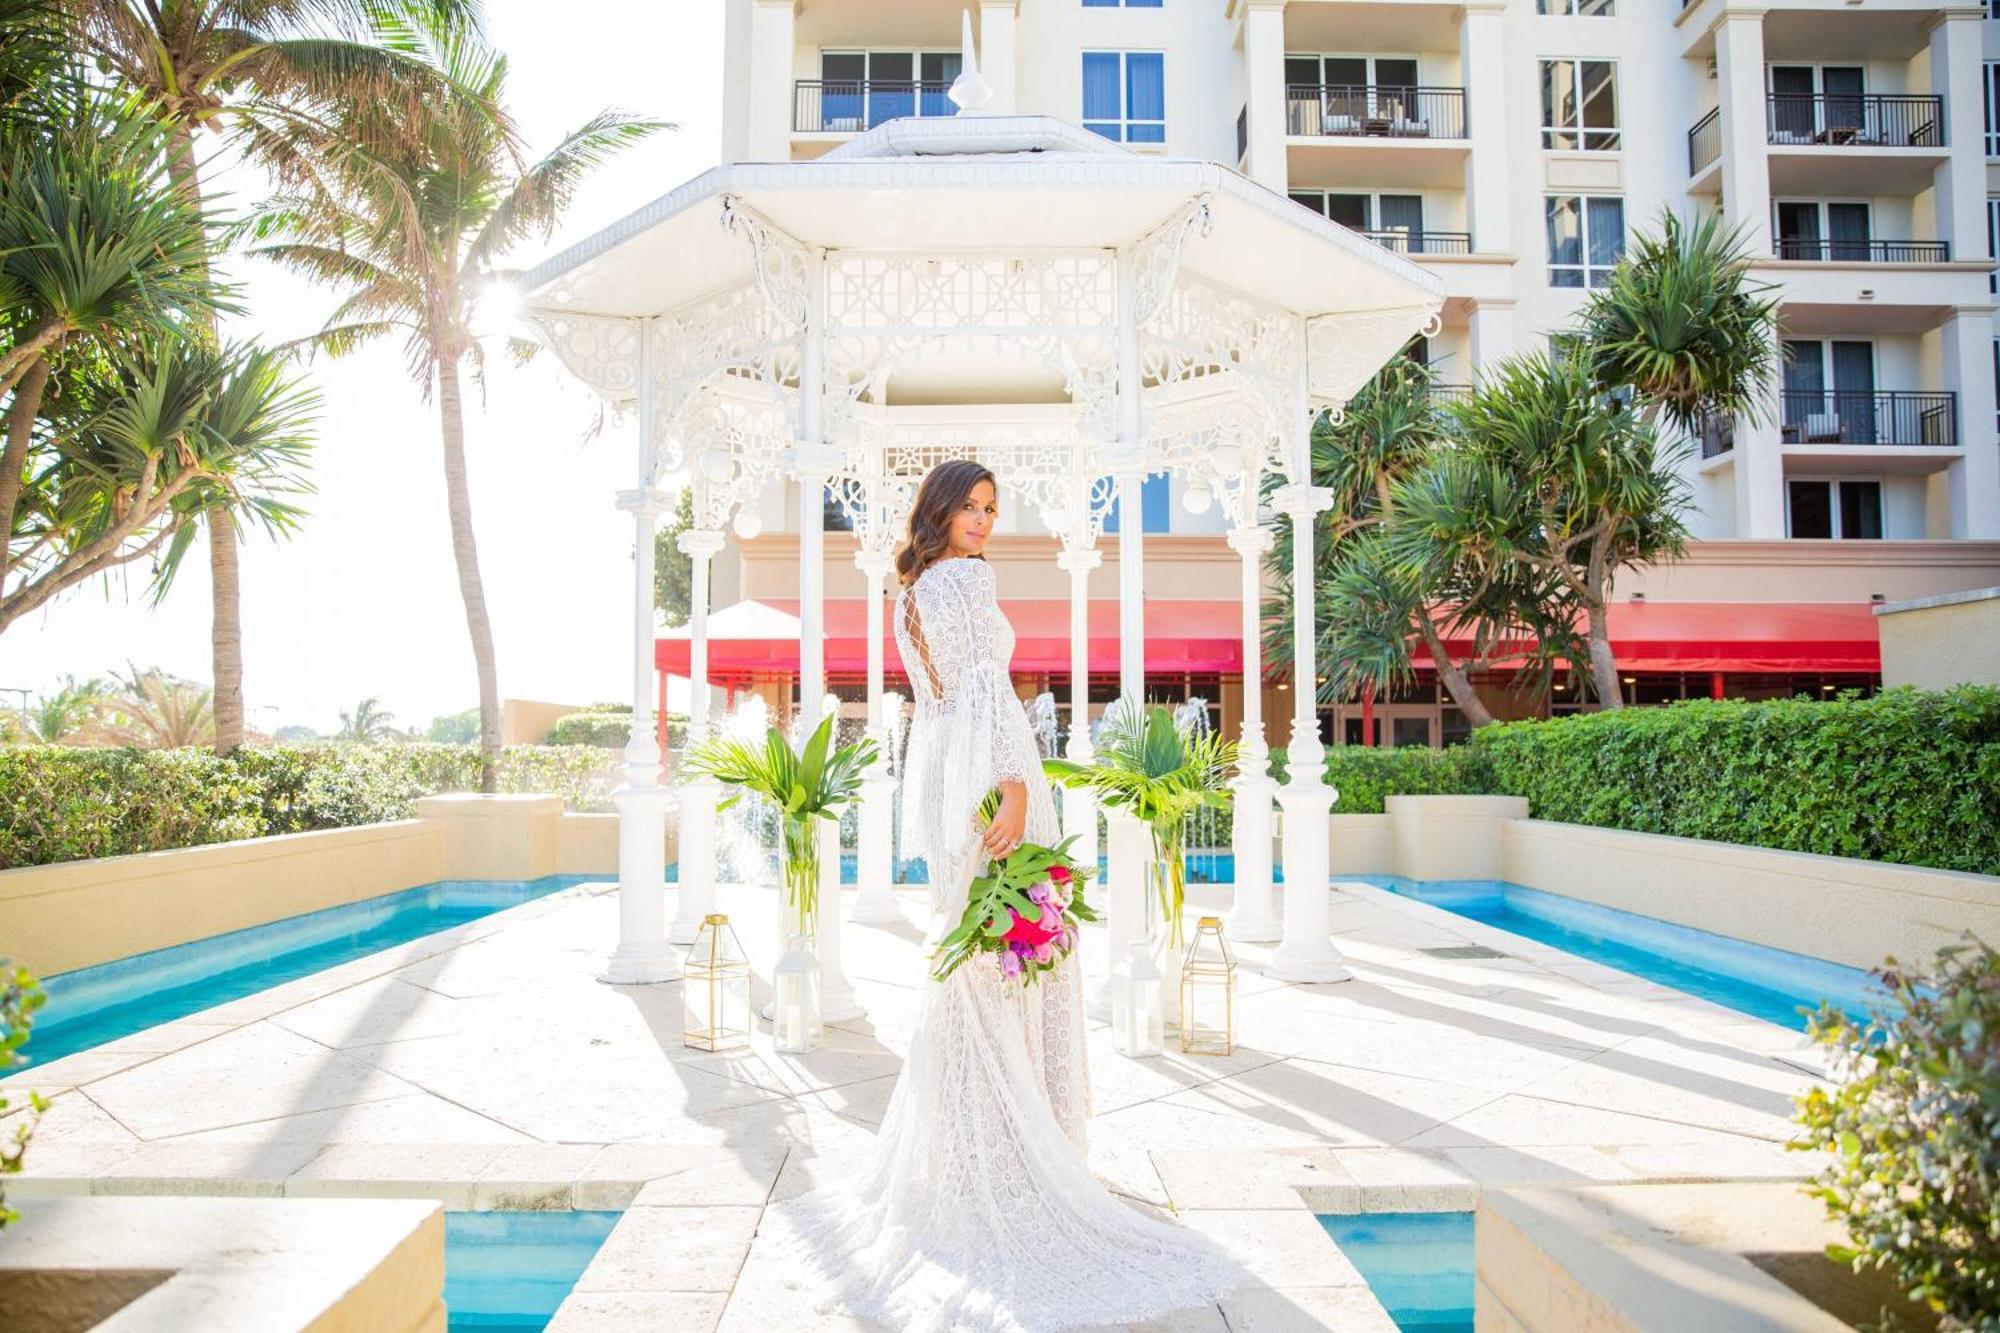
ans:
(1166, 936)
(798, 907)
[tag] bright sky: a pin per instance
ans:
(364, 600)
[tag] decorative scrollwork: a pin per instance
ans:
(1156, 257)
(777, 258)
(600, 350)
(1344, 351)
(732, 450)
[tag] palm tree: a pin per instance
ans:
(367, 723)
(1553, 490)
(157, 711)
(252, 65)
(1684, 326)
(66, 714)
(414, 231)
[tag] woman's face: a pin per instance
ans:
(973, 523)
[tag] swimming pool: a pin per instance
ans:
(1753, 979)
(509, 1270)
(91, 1005)
(1419, 1265)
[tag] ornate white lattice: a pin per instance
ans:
(600, 350)
(1225, 443)
(733, 449)
(777, 258)
(1056, 308)
(1343, 352)
(1156, 256)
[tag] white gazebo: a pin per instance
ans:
(1073, 313)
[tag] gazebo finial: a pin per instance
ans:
(970, 91)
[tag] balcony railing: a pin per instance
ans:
(1405, 242)
(1861, 252)
(1375, 111)
(833, 106)
(1705, 141)
(1718, 434)
(1855, 417)
(1856, 120)
(1445, 394)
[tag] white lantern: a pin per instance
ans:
(715, 990)
(1228, 463)
(1138, 1027)
(748, 524)
(796, 1028)
(716, 463)
(1197, 497)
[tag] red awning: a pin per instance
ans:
(761, 637)
(1741, 636)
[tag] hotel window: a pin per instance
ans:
(1124, 95)
(1155, 513)
(861, 89)
(1821, 229)
(1991, 86)
(1395, 219)
(1586, 238)
(1586, 8)
(1992, 234)
(1846, 509)
(1580, 104)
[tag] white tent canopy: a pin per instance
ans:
(1072, 312)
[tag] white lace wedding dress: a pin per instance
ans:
(976, 1209)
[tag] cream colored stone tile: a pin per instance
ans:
(1118, 1080)
(1303, 1309)
(1520, 1121)
(415, 1117)
(1126, 1169)
(207, 1168)
(1280, 1248)
(672, 1249)
(1617, 1081)
(1741, 1159)
(533, 1176)
(742, 1178)
(639, 1312)
(1401, 1180)
(1491, 1315)
(71, 1071)
(163, 1037)
(1333, 1104)
(1265, 1178)
(847, 1058)
(446, 1172)
(1198, 1319)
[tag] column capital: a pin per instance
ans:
(875, 564)
(813, 462)
(1079, 559)
(1299, 501)
(699, 541)
(1251, 542)
(644, 501)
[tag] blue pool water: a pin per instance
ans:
(510, 1270)
(95, 1004)
(1202, 868)
(1750, 978)
(1419, 1265)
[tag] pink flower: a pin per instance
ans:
(1010, 964)
(1059, 874)
(1041, 893)
(1031, 933)
(1045, 952)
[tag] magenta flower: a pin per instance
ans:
(1010, 964)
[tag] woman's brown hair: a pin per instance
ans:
(943, 489)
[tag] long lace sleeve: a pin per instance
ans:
(948, 633)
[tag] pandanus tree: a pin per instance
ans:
(260, 68)
(411, 222)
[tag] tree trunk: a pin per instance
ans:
(1603, 666)
(225, 635)
(1452, 674)
(451, 412)
(27, 405)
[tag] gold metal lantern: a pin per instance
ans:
(715, 989)
(1208, 992)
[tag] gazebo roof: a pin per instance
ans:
(1009, 183)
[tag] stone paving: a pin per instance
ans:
(487, 1068)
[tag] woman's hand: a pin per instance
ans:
(1003, 835)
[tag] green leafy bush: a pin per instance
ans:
(1365, 777)
(1913, 1127)
(610, 728)
(1906, 776)
(64, 803)
(20, 995)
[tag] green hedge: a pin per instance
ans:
(610, 728)
(1908, 777)
(1364, 776)
(66, 803)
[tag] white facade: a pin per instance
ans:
(1849, 142)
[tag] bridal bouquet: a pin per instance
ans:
(1025, 910)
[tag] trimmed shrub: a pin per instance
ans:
(1912, 1125)
(1907, 777)
(1364, 777)
(609, 728)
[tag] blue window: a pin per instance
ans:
(1154, 510)
(1125, 95)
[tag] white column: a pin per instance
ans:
(996, 53)
(698, 795)
(1264, 88)
(1254, 918)
(1491, 329)
(1957, 75)
(1482, 69)
(643, 954)
(812, 468)
(772, 92)
(1307, 954)
(875, 869)
(1746, 172)
(1079, 804)
(1972, 485)
(1127, 847)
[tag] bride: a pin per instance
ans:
(976, 1209)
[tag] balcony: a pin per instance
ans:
(849, 106)
(1815, 250)
(1856, 120)
(1406, 242)
(1374, 111)
(1856, 417)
